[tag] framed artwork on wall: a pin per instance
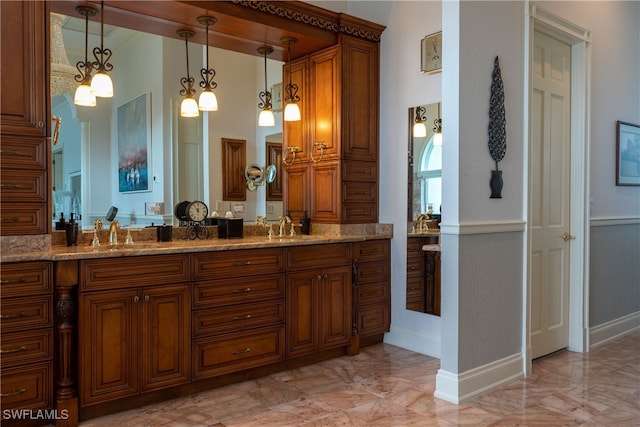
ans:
(627, 154)
(431, 53)
(134, 145)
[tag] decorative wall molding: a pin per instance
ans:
(608, 221)
(483, 227)
(457, 388)
(608, 331)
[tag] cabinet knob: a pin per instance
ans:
(147, 298)
(40, 124)
(136, 299)
(319, 277)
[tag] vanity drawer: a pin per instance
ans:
(23, 186)
(370, 272)
(373, 319)
(27, 387)
(245, 262)
(371, 250)
(238, 351)
(359, 213)
(415, 267)
(359, 192)
(318, 256)
(217, 293)
(19, 152)
(130, 272)
(23, 218)
(26, 313)
(26, 347)
(373, 292)
(26, 278)
(415, 287)
(360, 171)
(237, 317)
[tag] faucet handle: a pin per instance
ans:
(95, 242)
(128, 240)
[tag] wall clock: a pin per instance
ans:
(431, 53)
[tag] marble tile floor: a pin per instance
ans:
(389, 386)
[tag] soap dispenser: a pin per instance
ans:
(71, 229)
(305, 223)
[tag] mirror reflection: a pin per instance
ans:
(181, 156)
(424, 208)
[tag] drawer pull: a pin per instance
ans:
(13, 316)
(10, 219)
(22, 390)
(19, 280)
(238, 291)
(248, 316)
(246, 350)
(10, 152)
(412, 288)
(241, 263)
(13, 350)
(15, 186)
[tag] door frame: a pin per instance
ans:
(579, 39)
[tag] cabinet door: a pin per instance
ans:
(302, 313)
(324, 112)
(164, 336)
(25, 68)
(296, 190)
(108, 332)
(335, 306)
(325, 192)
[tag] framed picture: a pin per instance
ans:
(276, 97)
(134, 145)
(431, 53)
(627, 154)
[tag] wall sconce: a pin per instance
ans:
(83, 95)
(419, 128)
(101, 84)
(291, 109)
(189, 106)
(207, 100)
(437, 129)
(293, 150)
(266, 115)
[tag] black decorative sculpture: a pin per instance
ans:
(497, 129)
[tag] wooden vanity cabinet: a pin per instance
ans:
(24, 121)
(133, 321)
(341, 110)
(238, 311)
(318, 298)
(372, 277)
(26, 321)
(423, 276)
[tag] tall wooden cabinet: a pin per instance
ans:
(335, 172)
(24, 121)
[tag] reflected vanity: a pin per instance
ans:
(424, 208)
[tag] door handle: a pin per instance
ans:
(566, 237)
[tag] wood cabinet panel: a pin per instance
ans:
(359, 192)
(371, 250)
(370, 272)
(373, 319)
(359, 213)
(26, 347)
(335, 306)
(19, 152)
(23, 186)
(373, 292)
(296, 189)
(223, 292)
(302, 313)
(249, 262)
(27, 387)
(26, 313)
(415, 267)
(26, 278)
(23, 218)
(128, 272)
(318, 256)
(324, 120)
(295, 134)
(326, 192)
(237, 317)
(234, 158)
(228, 353)
(360, 171)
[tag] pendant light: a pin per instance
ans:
(207, 100)
(62, 72)
(437, 136)
(266, 115)
(101, 84)
(419, 129)
(83, 95)
(189, 106)
(291, 109)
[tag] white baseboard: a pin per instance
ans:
(411, 339)
(602, 334)
(457, 388)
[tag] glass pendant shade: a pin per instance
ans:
(266, 118)
(208, 101)
(292, 112)
(189, 107)
(101, 85)
(419, 130)
(84, 97)
(437, 139)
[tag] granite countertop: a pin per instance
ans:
(59, 252)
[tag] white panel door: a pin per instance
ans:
(549, 194)
(190, 160)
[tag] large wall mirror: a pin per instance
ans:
(424, 208)
(183, 154)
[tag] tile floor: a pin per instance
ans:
(388, 386)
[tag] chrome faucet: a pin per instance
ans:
(284, 220)
(113, 232)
